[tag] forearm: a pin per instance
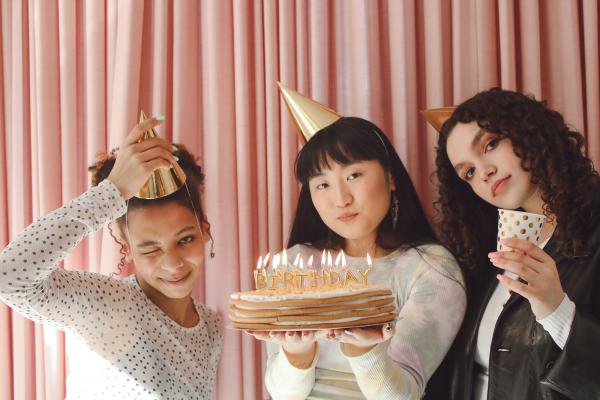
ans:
(283, 380)
(27, 263)
(379, 377)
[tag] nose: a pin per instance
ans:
(172, 261)
(486, 171)
(343, 197)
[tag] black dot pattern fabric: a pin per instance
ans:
(123, 346)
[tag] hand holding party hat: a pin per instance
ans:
(162, 182)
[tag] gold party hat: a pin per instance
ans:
(309, 115)
(162, 182)
(437, 116)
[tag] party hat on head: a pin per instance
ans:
(437, 116)
(162, 182)
(309, 115)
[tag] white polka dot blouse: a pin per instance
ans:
(122, 345)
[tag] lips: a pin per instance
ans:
(347, 217)
(176, 281)
(498, 185)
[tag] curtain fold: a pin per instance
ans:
(76, 73)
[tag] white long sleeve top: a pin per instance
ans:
(431, 299)
(126, 346)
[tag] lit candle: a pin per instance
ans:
(323, 259)
(329, 262)
(266, 260)
(310, 262)
(284, 260)
(343, 259)
(337, 260)
(296, 260)
(259, 264)
(276, 260)
(369, 262)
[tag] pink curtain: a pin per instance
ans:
(75, 74)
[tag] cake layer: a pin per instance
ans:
(327, 317)
(279, 311)
(263, 300)
(289, 326)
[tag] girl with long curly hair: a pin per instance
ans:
(532, 337)
(143, 336)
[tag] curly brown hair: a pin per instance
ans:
(194, 180)
(547, 147)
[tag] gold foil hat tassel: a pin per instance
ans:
(162, 182)
(309, 115)
(437, 116)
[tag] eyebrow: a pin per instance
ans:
(474, 143)
(148, 243)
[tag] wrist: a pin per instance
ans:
(352, 350)
(301, 358)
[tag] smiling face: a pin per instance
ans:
(491, 167)
(166, 246)
(352, 199)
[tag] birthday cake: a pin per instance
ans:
(311, 299)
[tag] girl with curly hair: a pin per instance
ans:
(532, 337)
(141, 337)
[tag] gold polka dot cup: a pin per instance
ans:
(518, 224)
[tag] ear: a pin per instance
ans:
(120, 238)
(392, 181)
(206, 231)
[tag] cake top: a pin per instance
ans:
(283, 278)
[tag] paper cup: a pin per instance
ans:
(518, 224)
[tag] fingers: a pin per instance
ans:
(515, 286)
(520, 264)
(154, 153)
(526, 247)
(136, 133)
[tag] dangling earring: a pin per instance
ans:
(395, 208)
(212, 247)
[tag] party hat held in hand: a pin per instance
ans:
(309, 115)
(162, 182)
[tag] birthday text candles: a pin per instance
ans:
(297, 277)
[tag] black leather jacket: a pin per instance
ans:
(525, 363)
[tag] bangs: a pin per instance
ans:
(336, 144)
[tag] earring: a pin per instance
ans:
(395, 208)
(212, 248)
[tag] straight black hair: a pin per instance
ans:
(346, 141)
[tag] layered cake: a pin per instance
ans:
(311, 299)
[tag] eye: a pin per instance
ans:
(491, 145)
(321, 186)
(186, 240)
(469, 173)
(151, 253)
(353, 176)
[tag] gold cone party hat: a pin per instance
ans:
(162, 182)
(437, 116)
(309, 115)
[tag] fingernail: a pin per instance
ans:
(348, 332)
(175, 157)
(174, 148)
(159, 117)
